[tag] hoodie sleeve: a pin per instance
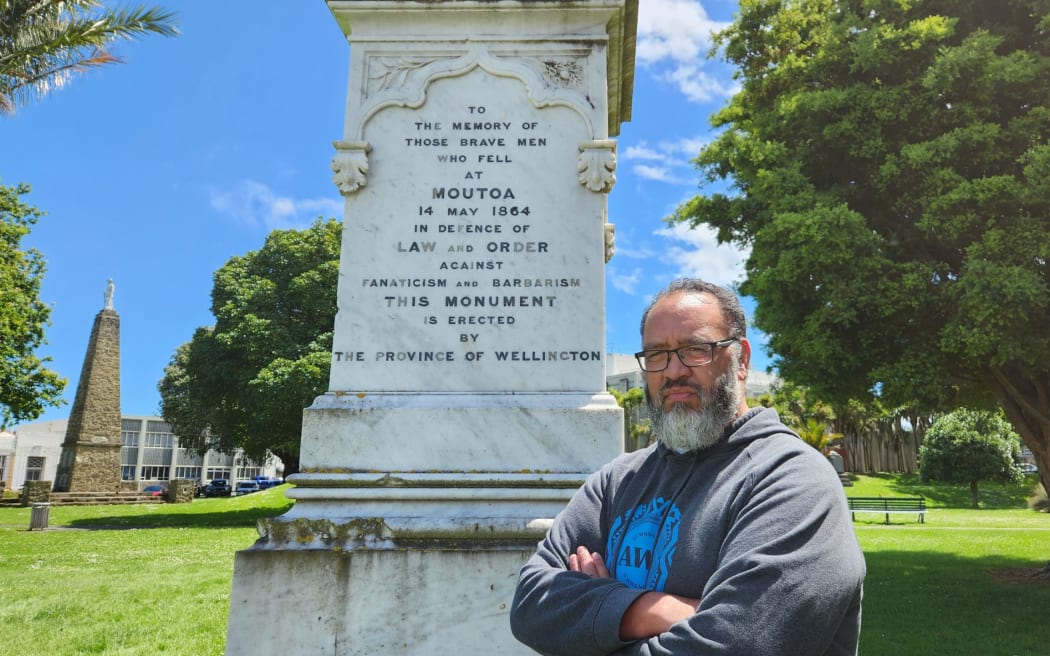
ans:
(789, 575)
(557, 611)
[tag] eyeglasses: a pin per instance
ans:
(692, 355)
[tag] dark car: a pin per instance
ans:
(219, 487)
(266, 482)
(247, 487)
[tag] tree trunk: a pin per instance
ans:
(290, 460)
(973, 495)
(1026, 401)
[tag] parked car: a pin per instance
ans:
(154, 490)
(247, 487)
(1029, 468)
(266, 482)
(219, 487)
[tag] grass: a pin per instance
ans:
(156, 579)
(125, 580)
(960, 583)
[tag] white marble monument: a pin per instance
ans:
(467, 394)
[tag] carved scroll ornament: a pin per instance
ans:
(350, 165)
(597, 165)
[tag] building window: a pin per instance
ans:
(127, 472)
(159, 440)
(129, 457)
(188, 473)
(34, 468)
(248, 472)
(3, 469)
(218, 472)
(154, 473)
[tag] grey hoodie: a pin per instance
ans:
(756, 527)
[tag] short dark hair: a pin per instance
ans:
(732, 312)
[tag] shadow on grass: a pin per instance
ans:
(136, 519)
(932, 603)
(990, 495)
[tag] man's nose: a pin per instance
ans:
(675, 368)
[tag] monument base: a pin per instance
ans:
(487, 432)
(340, 603)
(393, 544)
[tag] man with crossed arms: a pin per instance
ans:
(728, 536)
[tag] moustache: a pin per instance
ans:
(681, 382)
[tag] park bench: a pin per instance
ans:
(888, 505)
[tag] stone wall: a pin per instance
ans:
(180, 490)
(97, 469)
(36, 492)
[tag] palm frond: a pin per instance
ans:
(43, 43)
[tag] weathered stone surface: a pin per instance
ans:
(180, 491)
(90, 459)
(366, 602)
(36, 492)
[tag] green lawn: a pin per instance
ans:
(125, 580)
(958, 584)
(155, 579)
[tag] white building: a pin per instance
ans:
(150, 453)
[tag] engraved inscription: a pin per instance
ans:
(472, 254)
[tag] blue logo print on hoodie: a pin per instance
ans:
(642, 544)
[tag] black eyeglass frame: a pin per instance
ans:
(640, 355)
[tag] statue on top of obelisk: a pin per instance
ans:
(109, 295)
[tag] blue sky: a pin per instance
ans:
(157, 171)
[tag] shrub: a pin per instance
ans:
(967, 446)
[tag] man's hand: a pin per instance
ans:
(651, 614)
(588, 563)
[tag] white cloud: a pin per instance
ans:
(670, 161)
(643, 253)
(673, 29)
(677, 33)
(688, 146)
(698, 85)
(642, 152)
(625, 282)
(701, 256)
(255, 205)
(660, 173)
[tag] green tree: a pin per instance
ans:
(816, 434)
(245, 381)
(637, 429)
(888, 165)
(798, 405)
(44, 42)
(968, 446)
(26, 384)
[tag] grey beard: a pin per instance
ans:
(684, 429)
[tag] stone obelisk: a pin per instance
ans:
(90, 460)
(467, 394)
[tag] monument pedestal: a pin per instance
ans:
(418, 558)
(467, 393)
(366, 602)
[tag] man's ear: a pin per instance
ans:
(745, 358)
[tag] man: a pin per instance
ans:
(728, 536)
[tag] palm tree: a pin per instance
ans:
(44, 42)
(815, 433)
